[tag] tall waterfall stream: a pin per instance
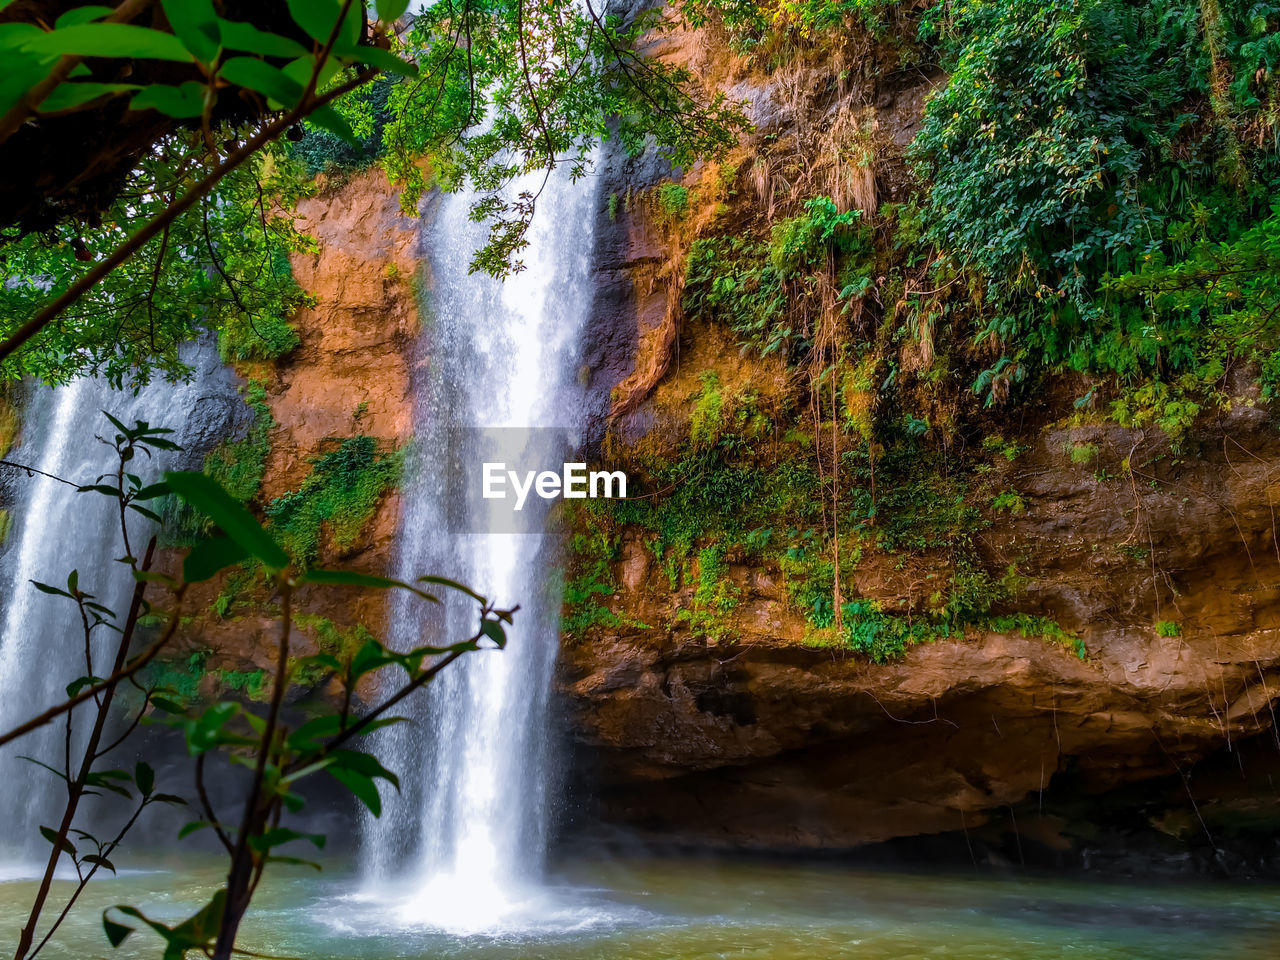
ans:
(459, 846)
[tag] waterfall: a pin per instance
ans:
(55, 530)
(462, 844)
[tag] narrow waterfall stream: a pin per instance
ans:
(459, 847)
(57, 530)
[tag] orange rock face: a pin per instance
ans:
(350, 375)
(354, 341)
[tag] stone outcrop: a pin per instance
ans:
(765, 742)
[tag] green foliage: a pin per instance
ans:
(594, 547)
(707, 422)
(672, 201)
(239, 465)
(252, 683)
(267, 335)
(365, 109)
(809, 577)
(714, 596)
(223, 265)
(179, 679)
(919, 505)
(1008, 501)
(557, 78)
(1168, 628)
(882, 637)
(805, 241)
(340, 496)
(745, 283)
(1082, 453)
(8, 422)
(731, 280)
(1042, 627)
(1075, 143)
(770, 32)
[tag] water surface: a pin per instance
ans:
(685, 909)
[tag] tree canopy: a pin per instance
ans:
(185, 103)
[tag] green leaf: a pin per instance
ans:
(102, 488)
(52, 591)
(349, 578)
(494, 631)
(110, 40)
(365, 790)
(204, 733)
(167, 705)
(183, 102)
(307, 736)
(62, 843)
(245, 36)
(387, 62)
(153, 490)
(263, 78)
(331, 120)
(282, 835)
(372, 656)
(389, 11)
(68, 96)
(365, 764)
(192, 827)
(117, 933)
(103, 780)
(453, 585)
(196, 24)
(98, 861)
(80, 15)
(207, 496)
(39, 763)
(208, 557)
(316, 17)
(170, 798)
(145, 777)
(149, 514)
(78, 684)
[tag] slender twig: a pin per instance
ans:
(105, 853)
(76, 787)
(32, 471)
(207, 804)
(90, 692)
(240, 883)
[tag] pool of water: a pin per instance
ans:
(689, 909)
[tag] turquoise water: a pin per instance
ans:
(686, 909)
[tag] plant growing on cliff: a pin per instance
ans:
(340, 495)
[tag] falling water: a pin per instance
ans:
(55, 530)
(461, 846)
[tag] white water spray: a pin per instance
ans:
(461, 847)
(56, 530)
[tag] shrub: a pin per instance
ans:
(340, 495)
